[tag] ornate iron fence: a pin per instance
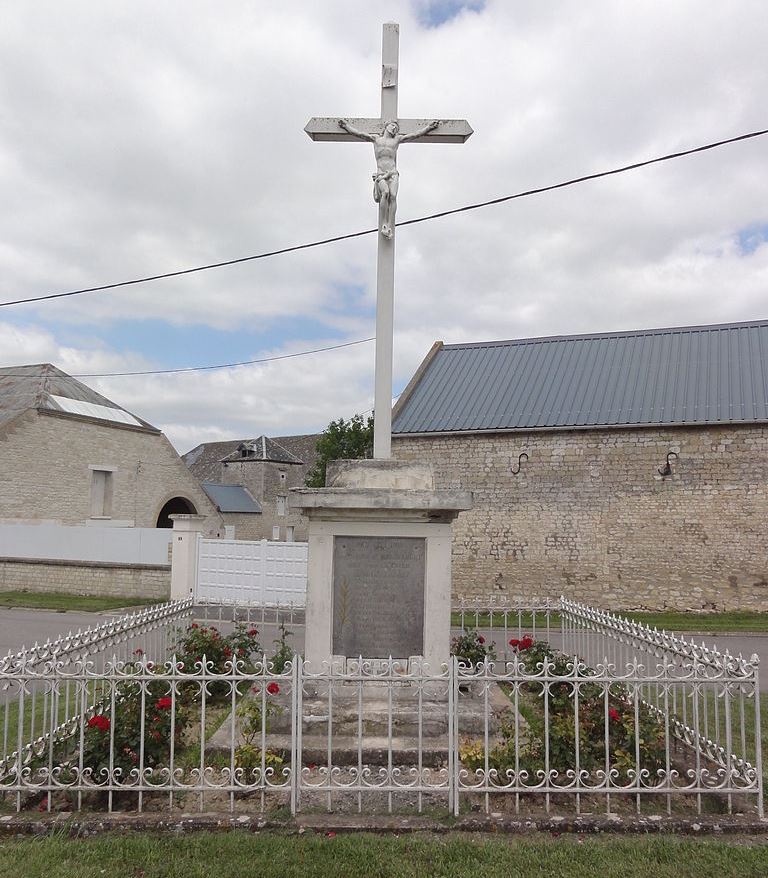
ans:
(543, 729)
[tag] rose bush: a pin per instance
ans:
(221, 653)
(124, 731)
(472, 648)
(255, 713)
(601, 714)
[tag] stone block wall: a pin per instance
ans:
(45, 473)
(266, 480)
(589, 515)
(81, 578)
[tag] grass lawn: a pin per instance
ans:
(347, 856)
(724, 623)
(43, 600)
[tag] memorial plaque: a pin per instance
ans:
(378, 596)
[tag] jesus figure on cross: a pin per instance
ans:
(386, 178)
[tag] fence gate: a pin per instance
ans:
(263, 572)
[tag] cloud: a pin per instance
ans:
(153, 137)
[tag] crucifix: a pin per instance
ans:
(386, 134)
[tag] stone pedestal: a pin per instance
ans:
(379, 577)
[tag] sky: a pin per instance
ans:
(139, 137)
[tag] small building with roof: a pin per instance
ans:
(626, 469)
(249, 480)
(70, 456)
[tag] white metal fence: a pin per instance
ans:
(259, 572)
(618, 719)
(116, 545)
(47, 706)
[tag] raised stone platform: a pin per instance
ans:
(366, 726)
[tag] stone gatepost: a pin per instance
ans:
(186, 529)
(379, 577)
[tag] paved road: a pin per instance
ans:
(19, 627)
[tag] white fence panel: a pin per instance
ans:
(55, 542)
(266, 572)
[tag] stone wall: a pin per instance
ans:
(589, 515)
(266, 480)
(45, 472)
(78, 577)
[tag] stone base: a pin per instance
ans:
(357, 603)
(380, 727)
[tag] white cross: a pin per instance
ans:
(386, 140)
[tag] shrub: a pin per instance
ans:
(283, 653)
(220, 652)
(471, 648)
(254, 720)
(124, 726)
(600, 711)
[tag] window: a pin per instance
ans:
(282, 478)
(289, 534)
(281, 505)
(101, 492)
(276, 532)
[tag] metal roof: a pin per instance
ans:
(685, 375)
(231, 498)
(44, 387)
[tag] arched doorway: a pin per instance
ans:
(175, 506)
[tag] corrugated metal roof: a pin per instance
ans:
(39, 386)
(686, 375)
(231, 498)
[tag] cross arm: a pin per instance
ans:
(448, 131)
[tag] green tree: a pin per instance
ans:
(341, 440)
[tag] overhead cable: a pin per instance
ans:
(422, 219)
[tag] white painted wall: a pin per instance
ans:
(120, 545)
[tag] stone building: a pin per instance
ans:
(71, 456)
(263, 470)
(626, 469)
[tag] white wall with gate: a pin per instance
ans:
(263, 572)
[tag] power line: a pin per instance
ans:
(346, 344)
(476, 206)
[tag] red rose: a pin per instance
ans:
(227, 651)
(480, 638)
(514, 643)
(253, 632)
(156, 735)
(614, 715)
(99, 722)
(194, 625)
(273, 688)
(164, 703)
(526, 642)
